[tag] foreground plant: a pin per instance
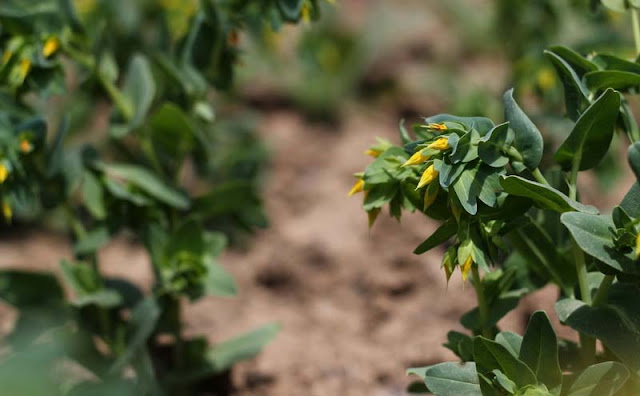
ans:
(510, 228)
(149, 66)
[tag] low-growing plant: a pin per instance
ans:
(510, 228)
(137, 149)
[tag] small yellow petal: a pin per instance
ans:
(437, 127)
(440, 144)
(417, 159)
(305, 13)
(50, 46)
(4, 173)
(24, 68)
(372, 153)
(429, 175)
(430, 195)
(373, 215)
(6, 211)
(25, 146)
(357, 187)
(466, 267)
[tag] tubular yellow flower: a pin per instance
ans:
(417, 159)
(4, 173)
(429, 175)
(440, 144)
(430, 195)
(466, 267)
(50, 46)
(6, 56)
(6, 211)
(24, 68)
(373, 153)
(305, 12)
(25, 146)
(357, 187)
(437, 127)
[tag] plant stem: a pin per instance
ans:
(539, 177)
(603, 291)
(581, 270)
(635, 21)
(483, 308)
(573, 181)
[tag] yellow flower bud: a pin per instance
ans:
(305, 12)
(466, 267)
(417, 159)
(373, 153)
(430, 195)
(25, 146)
(437, 127)
(6, 211)
(440, 144)
(638, 246)
(429, 175)
(6, 56)
(546, 79)
(357, 187)
(4, 173)
(50, 46)
(24, 68)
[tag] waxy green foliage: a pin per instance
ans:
(511, 229)
(155, 64)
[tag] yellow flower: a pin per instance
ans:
(440, 144)
(305, 12)
(24, 68)
(6, 211)
(466, 267)
(429, 175)
(357, 187)
(4, 173)
(6, 56)
(50, 46)
(546, 79)
(638, 246)
(430, 195)
(373, 153)
(437, 127)
(373, 215)
(448, 268)
(417, 159)
(25, 146)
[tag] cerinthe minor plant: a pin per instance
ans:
(512, 227)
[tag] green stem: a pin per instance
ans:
(539, 177)
(483, 308)
(635, 21)
(573, 181)
(603, 290)
(514, 153)
(581, 270)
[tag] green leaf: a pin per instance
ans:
(450, 379)
(491, 146)
(445, 232)
(631, 201)
(290, 9)
(527, 137)
(227, 353)
(139, 88)
(219, 282)
(591, 137)
(616, 323)
(616, 5)
(498, 309)
(24, 289)
(511, 341)
(539, 351)
(172, 131)
(489, 355)
(92, 241)
(144, 317)
(481, 124)
(576, 95)
(634, 158)
(594, 235)
(93, 195)
(602, 379)
(543, 195)
(607, 79)
(147, 182)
